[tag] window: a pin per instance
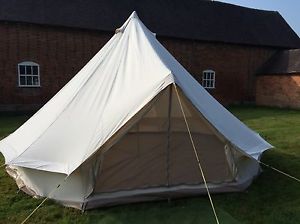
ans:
(208, 79)
(29, 74)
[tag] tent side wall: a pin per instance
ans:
(38, 183)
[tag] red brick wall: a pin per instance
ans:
(61, 52)
(278, 90)
(235, 66)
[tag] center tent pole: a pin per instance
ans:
(169, 135)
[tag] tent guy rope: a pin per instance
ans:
(45, 199)
(274, 169)
(279, 171)
(197, 156)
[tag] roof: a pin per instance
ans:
(189, 19)
(284, 62)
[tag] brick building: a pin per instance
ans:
(44, 43)
(278, 81)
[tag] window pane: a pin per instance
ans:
(22, 80)
(35, 70)
(208, 79)
(35, 81)
(22, 69)
(29, 80)
(28, 70)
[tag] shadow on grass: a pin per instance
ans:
(177, 211)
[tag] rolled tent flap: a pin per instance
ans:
(108, 96)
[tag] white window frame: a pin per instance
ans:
(29, 63)
(209, 79)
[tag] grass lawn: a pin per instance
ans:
(272, 198)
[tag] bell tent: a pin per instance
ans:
(128, 127)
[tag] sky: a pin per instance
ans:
(289, 9)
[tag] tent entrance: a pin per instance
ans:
(157, 151)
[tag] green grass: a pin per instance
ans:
(272, 198)
(9, 123)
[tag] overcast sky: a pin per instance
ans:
(289, 9)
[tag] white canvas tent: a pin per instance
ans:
(116, 132)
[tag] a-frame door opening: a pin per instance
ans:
(156, 152)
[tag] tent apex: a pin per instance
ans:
(122, 28)
(133, 15)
